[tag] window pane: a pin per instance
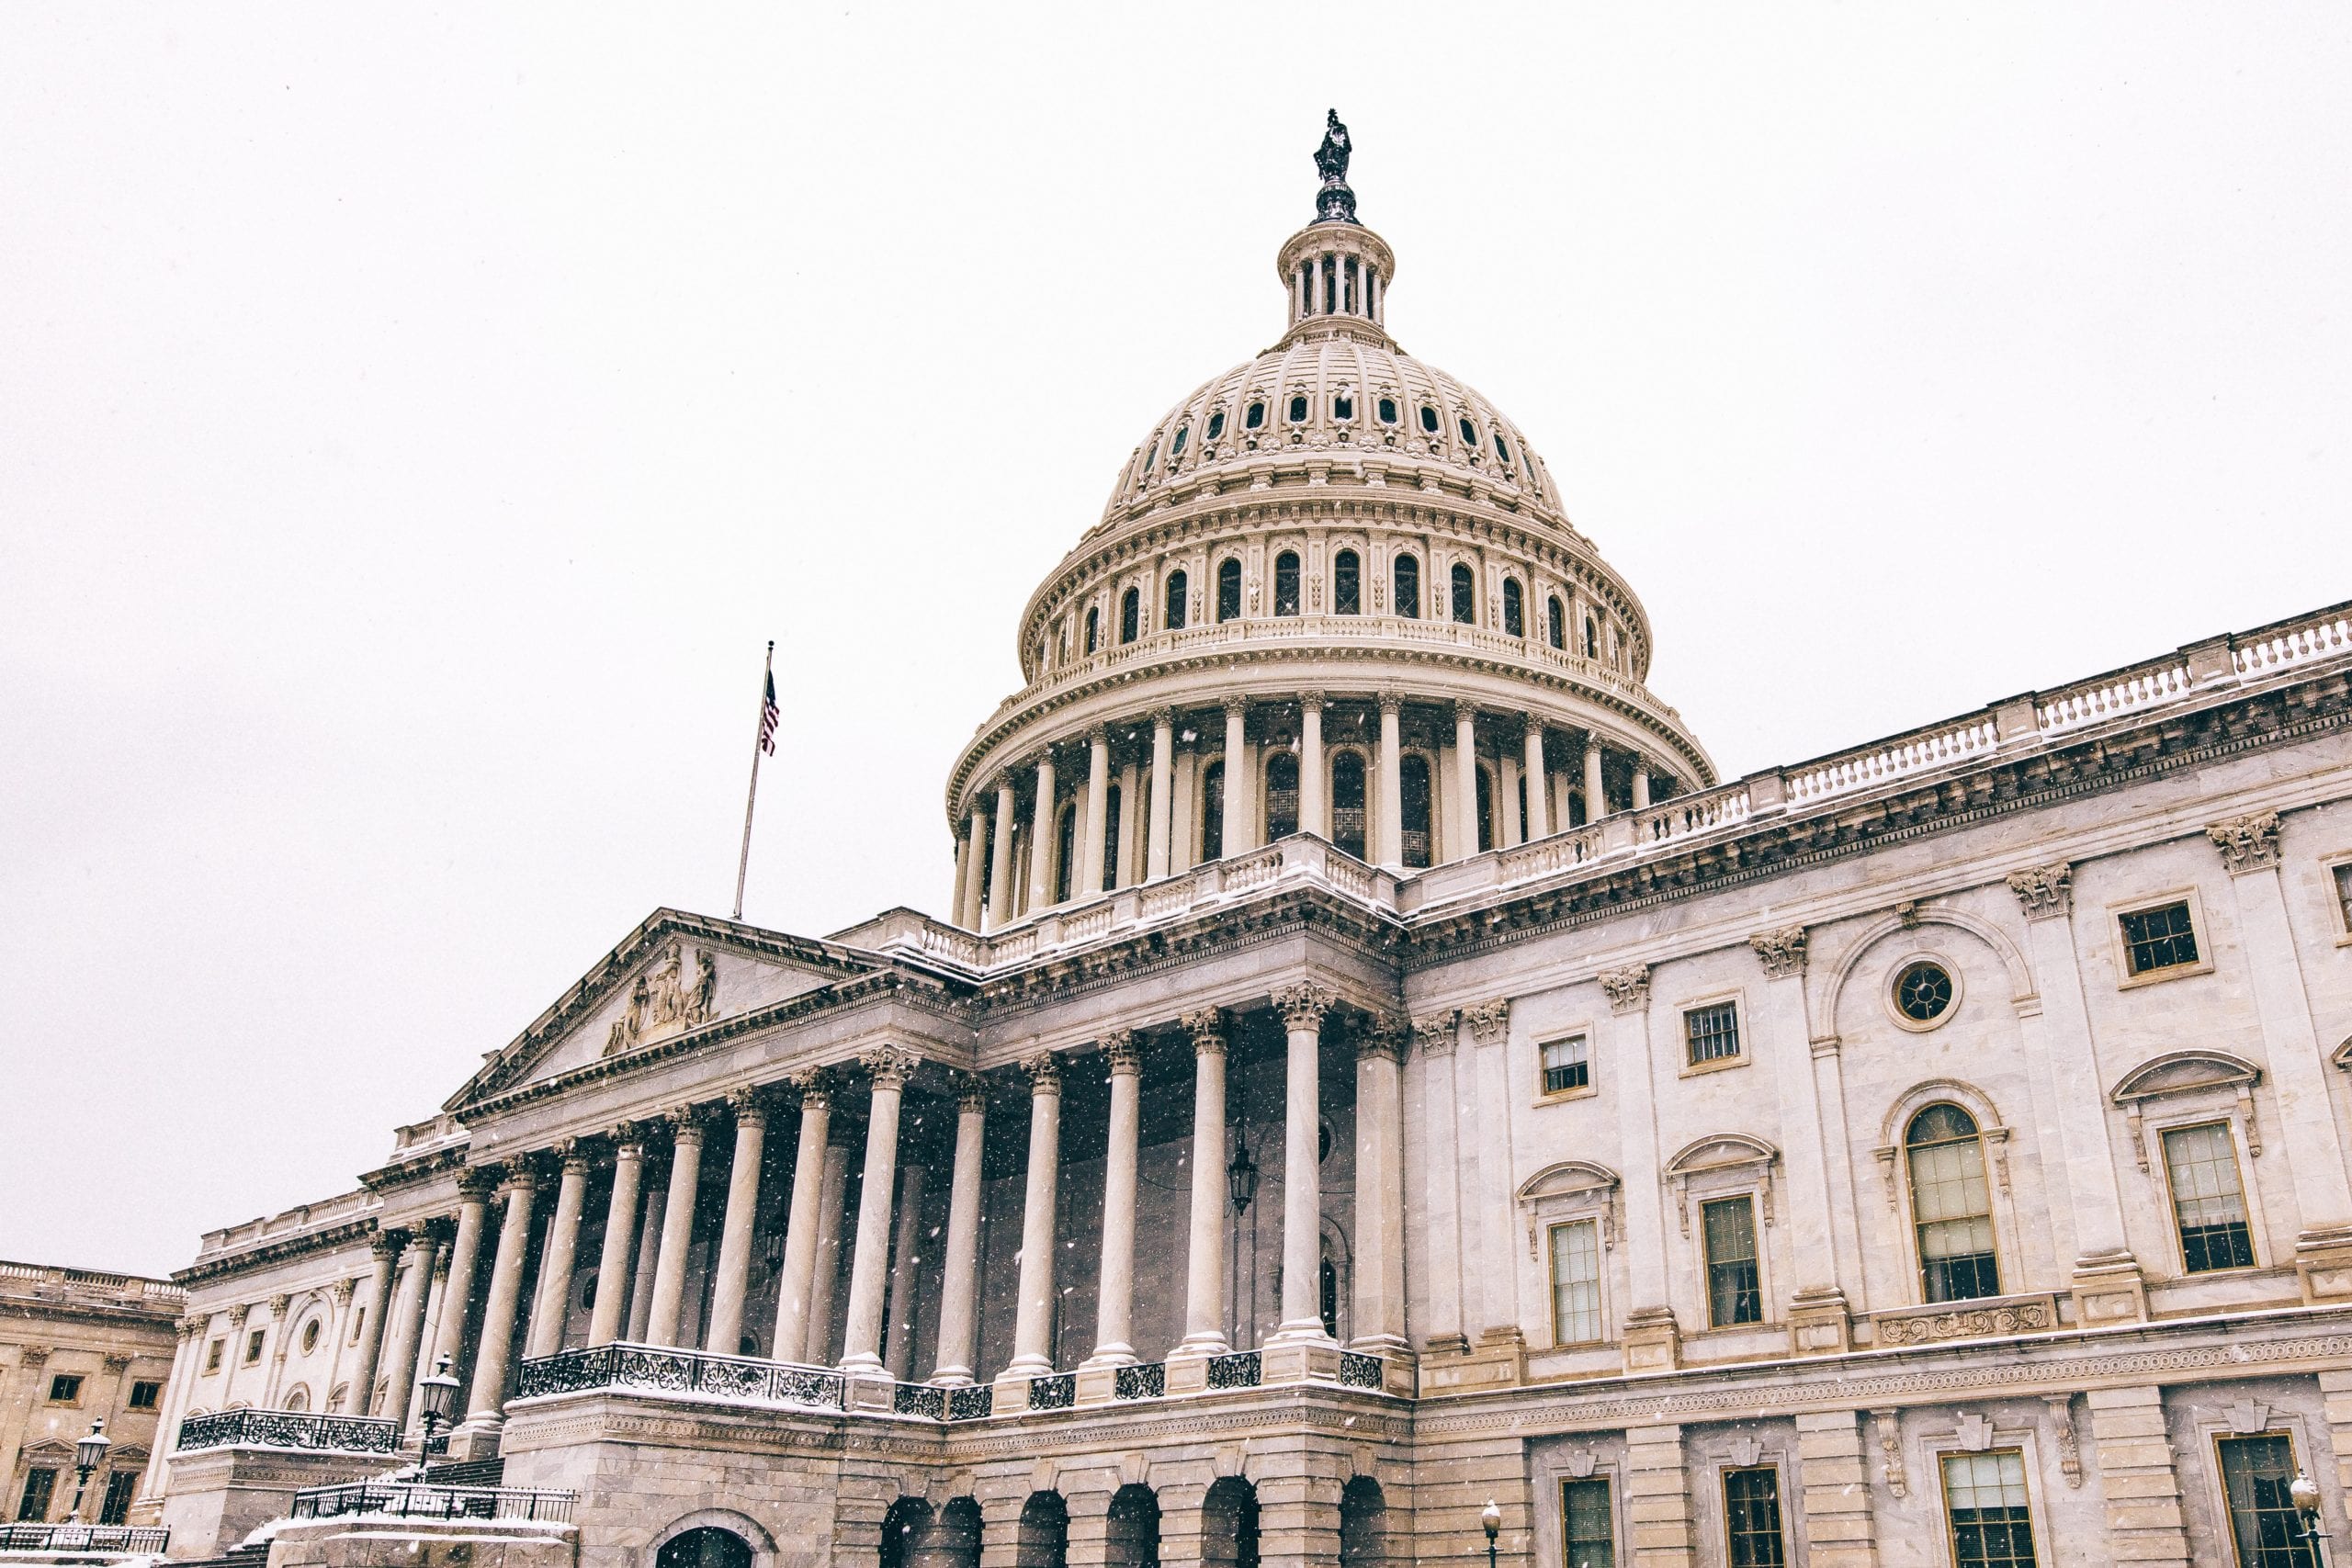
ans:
(1575, 1282)
(1752, 1518)
(1583, 1524)
(117, 1506)
(2159, 939)
(1951, 1208)
(1567, 1064)
(1735, 1292)
(1713, 1033)
(32, 1504)
(1985, 1503)
(1409, 587)
(2255, 1472)
(2344, 895)
(2206, 1202)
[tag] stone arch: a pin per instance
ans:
(1132, 1540)
(1363, 1524)
(1042, 1538)
(906, 1518)
(1229, 1524)
(950, 1538)
(700, 1539)
(2022, 993)
(1929, 1091)
(296, 1398)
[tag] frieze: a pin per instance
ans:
(1967, 1320)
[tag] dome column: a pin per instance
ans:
(1089, 880)
(1388, 843)
(1033, 1307)
(1641, 784)
(1204, 1257)
(1539, 784)
(975, 846)
(1313, 817)
(1303, 1008)
(999, 912)
(1596, 789)
(1163, 791)
(1466, 788)
(1042, 836)
(1236, 779)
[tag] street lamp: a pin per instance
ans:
(88, 1454)
(440, 1401)
(2303, 1493)
(1492, 1518)
(1241, 1176)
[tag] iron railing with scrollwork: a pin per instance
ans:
(84, 1538)
(290, 1429)
(1360, 1371)
(1241, 1369)
(973, 1402)
(1055, 1391)
(412, 1500)
(681, 1371)
(1149, 1381)
(919, 1399)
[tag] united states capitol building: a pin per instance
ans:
(1374, 1065)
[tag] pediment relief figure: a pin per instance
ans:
(665, 1001)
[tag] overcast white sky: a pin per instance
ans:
(413, 423)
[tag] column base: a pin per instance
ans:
(1819, 1323)
(952, 1377)
(2108, 1289)
(1653, 1340)
(1302, 1359)
(2323, 1264)
(868, 1388)
(475, 1439)
(1302, 1331)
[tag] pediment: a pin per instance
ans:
(1567, 1177)
(674, 976)
(2186, 1072)
(1720, 1152)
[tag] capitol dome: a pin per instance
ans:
(1333, 591)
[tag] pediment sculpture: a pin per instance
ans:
(662, 1003)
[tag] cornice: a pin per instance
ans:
(397, 1174)
(277, 1250)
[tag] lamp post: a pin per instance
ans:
(2303, 1493)
(1492, 1518)
(88, 1454)
(440, 1399)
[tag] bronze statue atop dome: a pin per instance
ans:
(1335, 203)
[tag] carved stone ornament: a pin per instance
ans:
(2248, 1417)
(1628, 989)
(1976, 1431)
(1746, 1452)
(1207, 1027)
(628, 1139)
(1044, 1070)
(1581, 1462)
(1303, 1006)
(278, 1303)
(2247, 843)
(476, 1183)
(815, 1089)
(1384, 1036)
(1890, 1446)
(663, 1002)
(889, 1066)
(2070, 1452)
(1781, 951)
(688, 1122)
(1488, 1020)
(342, 1289)
(750, 1105)
(2037, 1315)
(2044, 891)
(1435, 1032)
(237, 1315)
(1125, 1054)
(572, 1154)
(971, 1093)
(387, 1244)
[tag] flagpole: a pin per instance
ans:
(743, 863)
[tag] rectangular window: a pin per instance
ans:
(115, 1509)
(1567, 1064)
(213, 1356)
(2344, 896)
(2264, 1525)
(1752, 1518)
(2157, 939)
(2206, 1202)
(253, 1346)
(1583, 1524)
(1987, 1511)
(1734, 1293)
(1713, 1032)
(32, 1504)
(64, 1388)
(1575, 1282)
(145, 1394)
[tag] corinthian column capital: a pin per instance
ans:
(1782, 951)
(2044, 891)
(1044, 1070)
(2247, 843)
(889, 1066)
(1628, 989)
(1207, 1027)
(1435, 1032)
(1125, 1053)
(1303, 1006)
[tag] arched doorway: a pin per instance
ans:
(907, 1519)
(706, 1548)
(952, 1538)
(1042, 1541)
(1133, 1535)
(1363, 1524)
(1229, 1525)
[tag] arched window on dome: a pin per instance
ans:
(1556, 622)
(1486, 809)
(1178, 596)
(1065, 841)
(1347, 803)
(1502, 448)
(1216, 424)
(1347, 584)
(1466, 594)
(1592, 638)
(1111, 803)
(1282, 795)
(1407, 580)
(1228, 588)
(1184, 434)
(1429, 419)
(1343, 407)
(1298, 408)
(1387, 409)
(1130, 615)
(1951, 1209)
(1413, 808)
(1514, 608)
(1254, 417)
(1286, 583)
(1212, 811)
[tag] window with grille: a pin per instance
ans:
(1466, 594)
(1555, 623)
(1347, 584)
(1407, 575)
(1130, 615)
(1567, 1064)
(1713, 1033)
(1347, 803)
(1286, 583)
(1752, 1518)
(2161, 938)
(116, 1508)
(1514, 608)
(2264, 1524)
(32, 1503)
(65, 1388)
(1735, 1288)
(1173, 615)
(1282, 797)
(1987, 1510)
(146, 1394)
(1212, 812)
(1951, 1208)
(1093, 628)
(1229, 589)
(2208, 1203)
(1413, 809)
(1585, 1527)
(1575, 1282)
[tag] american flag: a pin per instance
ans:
(769, 713)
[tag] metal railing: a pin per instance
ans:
(1149, 1381)
(290, 1429)
(681, 1371)
(1240, 1369)
(1360, 1371)
(418, 1500)
(1055, 1391)
(973, 1402)
(940, 1402)
(84, 1538)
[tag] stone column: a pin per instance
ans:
(958, 1320)
(1204, 1248)
(1092, 846)
(686, 1124)
(486, 1408)
(1000, 912)
(1539, 784)
(1302, 1008)
(1114, 1298)
(963, 879)
(1034, 1312)
(408, 1319)
(1236, 826)
(1834, 1472)
(1659, 1513)
(610, 1315)
(870, 1264)
(1465, 782)
(236, 1348)
(975, 849)
(1380, 1190)
(2145, 1522)
(1042, 835)
(1507, 814)
(735, 1236)
(384, 1250)
(474, 1189)
(1652, 1340)
(652, 1200)
(1641, 784)
(187, 1333)
(1314, 811)
(831, 1199)
(1819, 1324)
(1158, 847)
(795, 1287)
(1437, 1035)
(562, 1245)
(1388, 841)
(906, 1263)
(1596, 787)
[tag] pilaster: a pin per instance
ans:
(1834, 1471)
(1661, 1526)
(2145, 1522)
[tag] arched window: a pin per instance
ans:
(1469, 434)
(1347, 803)
(1486, 809)
(1216, 424)
(1592, 638)
(1286, 583)
(1229, 1524)
(299, 1400)
(1184, 434)
(1429, 419)
(1065, 862)
(908, 1521)
(1212, 811)
(1347, 583)
(1298, 409)
(1111, 804)
(1387, 411)
(705, 1548)
(1343, 407)
(1228, 588)
(1254, 416)
(1042, 1539)
(1413, 806)
(1282, 795)
(1130, 615)
(1555, 623)
(1466, 594)
(1408, 576)
(1502, 448)
(1952, 1210)
(1133, 1538)
(1514, 608)
(1093, 628)
(1364, 1525)
(1178, 587)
